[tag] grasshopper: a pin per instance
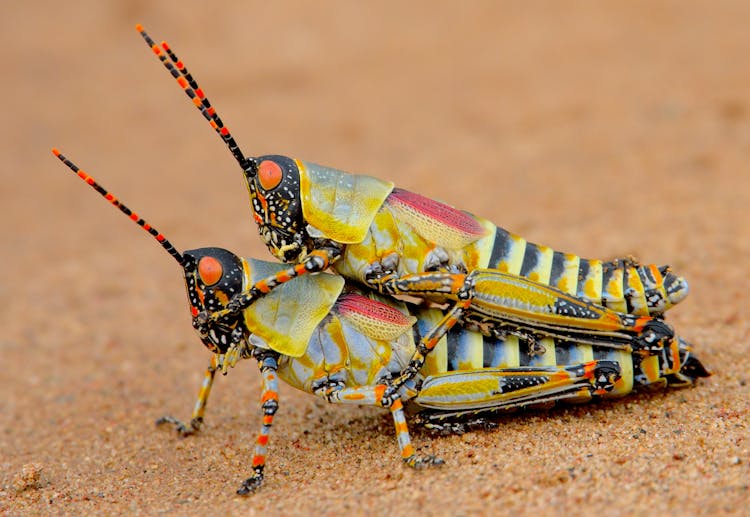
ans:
(401, 243)
(357, 340)
(370, 232)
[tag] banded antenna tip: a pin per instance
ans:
(168, 247)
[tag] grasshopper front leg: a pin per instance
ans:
(199, 409)
(268, 364)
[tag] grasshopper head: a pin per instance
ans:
(212, 277)
(274, 185)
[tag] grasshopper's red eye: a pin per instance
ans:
(210, 270)
(269, 174)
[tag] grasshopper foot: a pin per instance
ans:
(181, 428)
(459, 428)
(251, 484)
(421, 462)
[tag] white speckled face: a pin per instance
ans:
(212, 277)
(277, 207)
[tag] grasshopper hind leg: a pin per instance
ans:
(465, 395)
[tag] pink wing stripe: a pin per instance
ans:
(356, 303)
(442, 213)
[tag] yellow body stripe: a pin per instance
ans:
(543, 268)
(581, 354)
(549, 357)
(650, 367)
(614, 293)
(638, 298)
(471, 351)
(512, 353)
(624, 384)
(437, 360)
(512, 262)
(592, 284)
(484, 245)
(568, 282)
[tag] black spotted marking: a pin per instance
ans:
(655, 298)
(515, 383)
(190, 268)
(574, 309)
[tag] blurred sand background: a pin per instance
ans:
(603, 129)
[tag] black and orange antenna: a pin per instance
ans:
(124, 209)
(190, 86)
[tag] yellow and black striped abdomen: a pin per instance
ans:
(621, 284)
(463, 350)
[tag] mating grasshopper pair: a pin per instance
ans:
(536, 326)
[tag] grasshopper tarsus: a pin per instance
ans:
(182, 429)
(460, 428)
(422, 462)
(251, 484)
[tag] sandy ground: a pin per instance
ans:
(603, 131)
